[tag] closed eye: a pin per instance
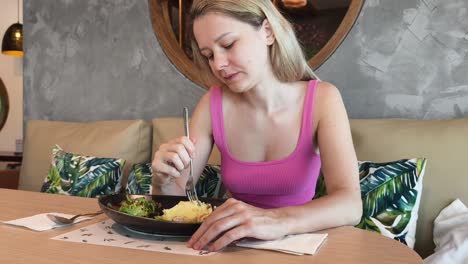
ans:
(210, 57)
(229, 45)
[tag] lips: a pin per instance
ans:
(231, 76)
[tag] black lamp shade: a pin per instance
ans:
(12, 43)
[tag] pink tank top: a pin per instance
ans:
(270, 184)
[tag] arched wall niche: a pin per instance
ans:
(321, 26)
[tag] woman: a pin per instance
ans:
(268, 116)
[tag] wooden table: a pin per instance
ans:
(20, 245)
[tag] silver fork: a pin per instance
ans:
(189, 186)
(63, 220)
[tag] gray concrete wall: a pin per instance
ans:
(96, 60)
(404, 58)
(99, 59)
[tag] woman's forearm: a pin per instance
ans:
(338, 209)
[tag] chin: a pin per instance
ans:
(237, 88)
(238, 85)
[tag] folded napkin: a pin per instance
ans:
(41, 222)
(450, 235)
(303, 244)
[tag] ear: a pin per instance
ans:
(268, 32)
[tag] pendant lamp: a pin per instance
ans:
(12, 43)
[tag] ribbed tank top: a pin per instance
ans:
(270, 184)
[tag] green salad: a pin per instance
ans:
(140, 207)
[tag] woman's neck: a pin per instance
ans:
(271, 95)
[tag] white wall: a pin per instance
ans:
(11, 72)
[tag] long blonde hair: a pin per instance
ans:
(287, 58)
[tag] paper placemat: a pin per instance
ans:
(109, 233)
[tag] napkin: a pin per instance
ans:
(303, 244)
(41, 222)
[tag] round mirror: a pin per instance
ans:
(4, 104)
(321, 26)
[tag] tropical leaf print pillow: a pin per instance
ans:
(390, 193)
(139, 179)
(208, 185)
(78, 175)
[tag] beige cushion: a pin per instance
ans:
(443, 142)
(129, 140)
(165, 129)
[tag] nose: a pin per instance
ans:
(220, 61)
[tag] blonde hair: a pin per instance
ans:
(287, 58)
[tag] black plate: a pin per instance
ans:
(150, 225)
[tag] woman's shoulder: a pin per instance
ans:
(327, 100)
(204, 103)
(327, 92)
(324, 91)
(212, 89)
(326, 85)
(206, 99)
(202, 114)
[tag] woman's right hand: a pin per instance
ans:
(171, 159)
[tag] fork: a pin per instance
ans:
(63, 220)
(189, 186)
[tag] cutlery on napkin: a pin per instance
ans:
(303, 244)
(41, 222)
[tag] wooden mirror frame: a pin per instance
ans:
(4, 104)
(160, 19)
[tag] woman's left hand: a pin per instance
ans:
(234, 220)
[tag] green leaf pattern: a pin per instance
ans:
(210, 183)
(77, 175)
(139, 179)
(389, 193)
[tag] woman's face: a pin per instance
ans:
(237, 53)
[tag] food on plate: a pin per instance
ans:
(139, 207)
(183, 212)
(186, 212)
